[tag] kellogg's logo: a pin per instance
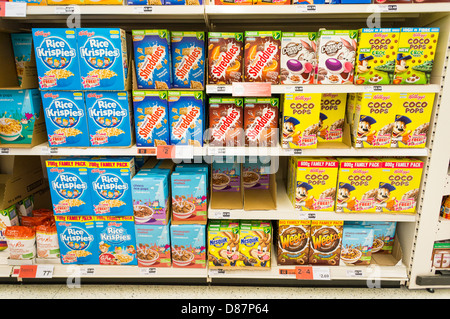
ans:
(99, 52)
(151, 122)
(188, 63)
(55, 52)
(185, 121)
(151, 62)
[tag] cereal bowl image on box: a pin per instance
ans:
(188, 245)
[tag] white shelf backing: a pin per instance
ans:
(443, 232)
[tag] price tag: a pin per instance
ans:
(144, 271)
(87, 271)
(36, 271)
(222, 215)
(216, 89)
(146, 150)
(287, 272)
(354, 273)
(321, 273)
(293, 89)
(67, 10)
(255, 89)
(217, 272)
(306, 8)
(373, 88)
(292, 151)
(4, 150)
(13, 9)
(184, 151)
(217, 150)
(142, 9)
(307, 215)
(312, 273)
(165, 151)
(387, 8)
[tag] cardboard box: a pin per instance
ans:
(356, 248)
(224, 196)
(226, 121)
(188, 244)
(153, 245)
(255, 243)
(8, 217)
(22, 44)
(325, 242)
(223, 243)
(332, 117)
(261, 121)
(293, 242)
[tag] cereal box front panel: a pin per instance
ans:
(293, 242)
(65, 118)
(384, 236)
(110, 117)
(189, 196)
(325, 242)
(188, 246)
(255, 240)
(151, 118)
(116, 240)
(415, 55)
(223, 244)
(152, 59)
(261, 121)
(255, 173)
(226, 176)
(153, 246)
(301, 120)
(69, 186)
(412, 120)
(57, 59)
(77, 240)
(188, 59)
(357, 244)
(186, 118)
(332, 117)
(226, 122)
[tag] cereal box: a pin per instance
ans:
(357, 244)
(188, 246)
(262, 56)
(399, 185)
(313, 183)
(185, 2)
(226, 175)
(65, 118)
(77, 240)
(231, 2)
(373, 119)
(255, 241)
(301, 120)
(358, 184)
(325, 242)
(189, 197)
(273, 2)
(32, 2)
(383, 235)
(8, 217)
(293, 242)
(415, 55)
(256, 172)
(226, 121)
(103, 58)
(412, 120)
(151, 118)
(188, 60)
(22, 44)
(152, 59)
(186, 117)
(150, 192)
(111, 185)
(153, 245)
(377, 49)
(261, 121)
(225, 55)
(101, 2)
(223, 243)
(57, 59)
(336, 56)
(69, 186)
(332, 117)
(116, 240)
(298, 57)
(110, 118)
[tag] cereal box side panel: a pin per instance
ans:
(153, 246)
(332, 117)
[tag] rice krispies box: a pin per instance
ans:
(151, 118)
(226, 121)
(153, 245)
(103, 58)
(116, 240)
(188, 60)
(110, 118)
(186, 117)
(57, 59)
(188, 243)
(152, 59)
(65, 118)
(69, 186)
(77, 240)
(110, 181)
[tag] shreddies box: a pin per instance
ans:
(415, 55)
(152, 59)
(293, 242)
(298, 57)
(312, 183)
(223, 243)
(65, 118)
(151, 118)
(332, 117)
(255, 241)
(153, 245)
(225, 57)
(261, 121)
(188, 60)
(325, 242)
(377, 49)
(412, 120)
(358, 183)
(57, 59)
(226, 121)
(69, 186)
(301, 120)
(103, 58)
(188, 244)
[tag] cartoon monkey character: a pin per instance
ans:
(364, 133)
(363, 63)
(399, 132)
(383, 197)
(301, 195)
(289, 133)
(343, 199)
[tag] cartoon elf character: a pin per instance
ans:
(383, 197)
(364, 134)
(343, 199)
(399, 132)
(301, 196)
(289, 133)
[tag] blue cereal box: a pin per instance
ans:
(188, 246)
(23, 47)
(151, 118)
(103, 58)
(109, 118)
(153, 245)
(77, 239)
(186, 117)
(356, 246)
(152, 59)
(57, 59)
(110, 179)
(65, 118)
(116, 240)
(69, 186)
(188, 60)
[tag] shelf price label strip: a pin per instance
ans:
(13, 9)
(36, 271)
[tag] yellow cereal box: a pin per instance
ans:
(351, 104)
(358, 183)
(415, 55)
(223, 243)
(300, 120)
(399, 185)
(255, 241)
(377, 48)
(374, 115)
(313, 183)
(412, 120)
(332, 117)
(98, 2)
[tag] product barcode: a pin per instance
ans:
(226, 214)
(4, 150)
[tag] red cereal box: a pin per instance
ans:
(261, 121)
(226, 121)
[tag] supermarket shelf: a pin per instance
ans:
(447, 184)
(285, 210)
